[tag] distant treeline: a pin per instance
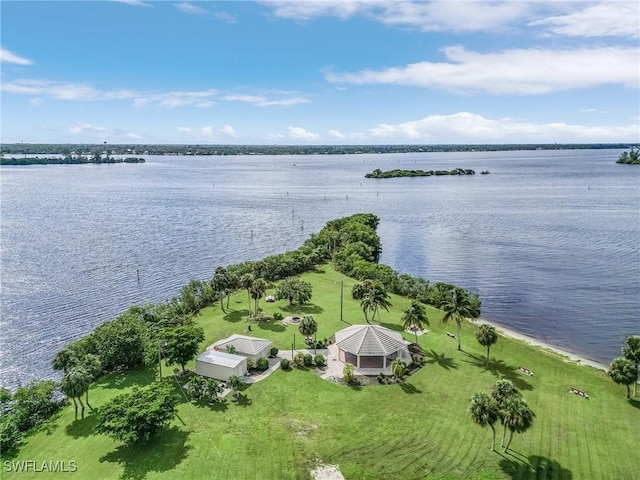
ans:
(377, 173)
(132, 149)
(67, 160)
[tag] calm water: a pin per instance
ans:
(549, 240)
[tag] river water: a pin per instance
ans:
(550, 239)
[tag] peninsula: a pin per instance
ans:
(377, 173)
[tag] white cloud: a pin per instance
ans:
(337, 134)
(208, 133)
(88, 133)
(299, 133)
(466, 127)
(467, 16)
(87, 127)
(225, 17)
(517, 71)
(9, 57)
(604, 19)
(190, 8)
(134, 3)
(261, 101)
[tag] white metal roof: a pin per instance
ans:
(221, 358)
(369, 340)
(243, 344)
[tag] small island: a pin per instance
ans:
(377, 173)
(68, 160)
(630, 158)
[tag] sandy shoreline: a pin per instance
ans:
(507, 332)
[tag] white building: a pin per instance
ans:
(249, 347)
(220, 365)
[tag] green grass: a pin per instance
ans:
(411, 431)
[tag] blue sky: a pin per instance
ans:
(325, 72)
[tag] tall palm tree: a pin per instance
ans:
(235, 382)
(398, 368)
(246, 282)
(74, 384)
(380, 299)
(484, 411)
(367, 304)
(258, 289)
(623, 372)
(93, 366)
(457, 306)
(220, 283)
(502, 391)
(414, 316)
(517, 416)
(631, 351)
(64, 360)
(486, 336)
(308, 326)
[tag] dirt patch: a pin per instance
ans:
(326, 472)
(300, 428)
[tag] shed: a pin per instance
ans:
(220, 365)
(371, 348)
(250, 347)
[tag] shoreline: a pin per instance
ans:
(507, 332)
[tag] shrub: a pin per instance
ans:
(262, 364)
(10, 435)
(249, 364)
(319, 360)
(307, 360)
(298, 359)
(278, 316)
(381, 378)
(284, 364)
(273, 352)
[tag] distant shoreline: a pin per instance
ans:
(12, 149)
(507, 332)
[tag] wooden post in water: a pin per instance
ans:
(138, 274)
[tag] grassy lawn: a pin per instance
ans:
(417, 430)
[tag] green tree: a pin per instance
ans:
(372, 296)
(502, 391)
(235, 382)
(258, 289)
(75, 383)
(64, 359)
(414, 317)
(398, 368)
(211, 390)
(181, 344)
(221, 283)
(484, 411)
(195, 387)
(624, 372)
(631, 351)
(486, 336)
(246, 282)
(295, 290)
(134, 417)
(93, 366)
(308, 326)
(458, 306)
(348, 373)
(517, 416)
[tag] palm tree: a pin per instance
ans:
(623, 372)
(398, 368)
(308, 326)
(220, 283)
(367, 304)
(631, 351)
(246, 282)
(517, 416)
(74, 384)
(64, 360)
(211, 390)
(502, 391)
(457, 306)
(93, 366)
(414, 316)
(196, 386)
(348, 373)
(258, 289)
(235, 382)
(486, 336)
(484, 411)
(380, 298)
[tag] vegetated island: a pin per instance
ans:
(296, 419)
(68, 160)
(630, 158)
(377, 173)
